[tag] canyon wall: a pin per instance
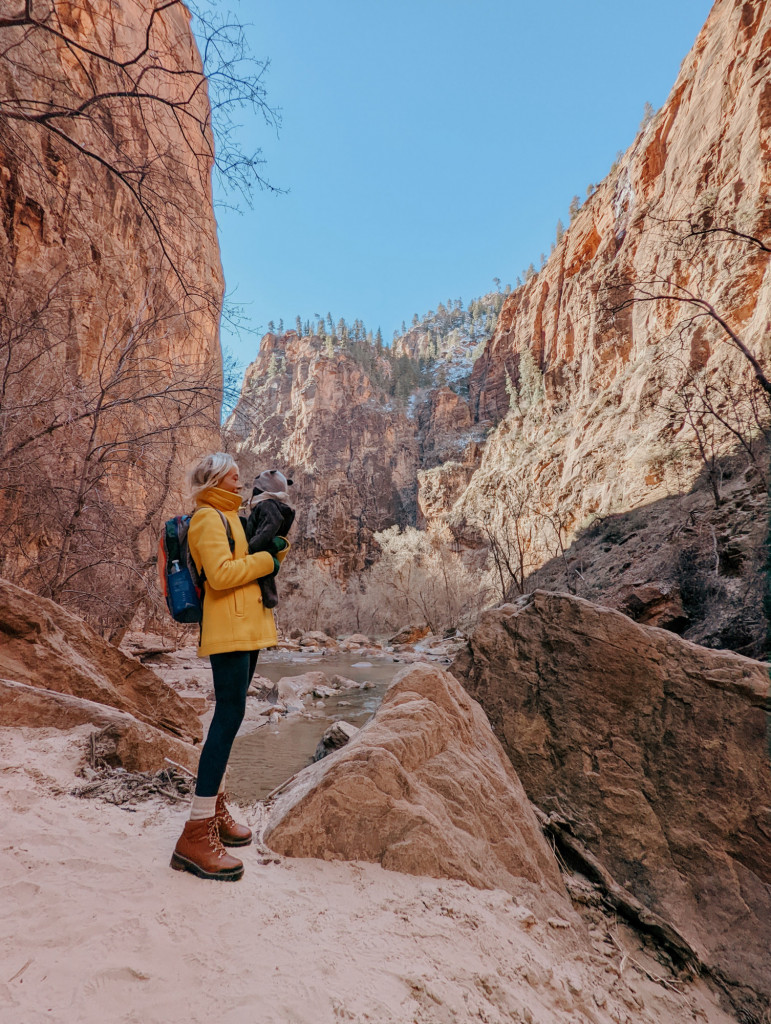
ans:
(111, 284)
(352, 453)
(605, 438)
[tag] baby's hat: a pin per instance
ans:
(271, 481)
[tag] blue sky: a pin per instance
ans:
(428, 147)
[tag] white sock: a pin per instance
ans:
(203, 807)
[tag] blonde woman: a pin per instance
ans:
(235, 627)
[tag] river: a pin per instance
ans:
(264, 758)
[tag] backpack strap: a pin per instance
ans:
(231, 543)
(232, 546)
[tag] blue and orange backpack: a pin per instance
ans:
(181, 581)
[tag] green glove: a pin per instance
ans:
(278, 544)
(276, 565)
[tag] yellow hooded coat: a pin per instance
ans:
(234, 617)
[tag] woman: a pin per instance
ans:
(235, 627)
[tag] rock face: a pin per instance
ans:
(593, 425)
(656, 753)
(110, 273)
(352, 454)
(423, 788)
(43, 645)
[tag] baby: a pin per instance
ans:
(269, 522)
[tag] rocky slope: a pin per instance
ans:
(111, 285)
(56, 672)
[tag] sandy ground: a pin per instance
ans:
(95, 927)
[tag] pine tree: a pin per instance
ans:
(271, 327)
(273, 366)
(575, 206)
(280, 326)
(511, 391)
(299, 325)
(330, 324)
(560, 231)
(531, 389)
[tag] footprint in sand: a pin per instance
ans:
(116, 979)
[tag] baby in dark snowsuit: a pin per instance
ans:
(269, 522)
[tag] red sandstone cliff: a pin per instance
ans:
(609, 433)
(351, 450)
(111, 286)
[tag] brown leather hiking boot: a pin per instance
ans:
(200, 851)
(231, 833)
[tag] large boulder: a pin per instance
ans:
(124, 741)
(44, 645)
(424, 788)
(655, 752)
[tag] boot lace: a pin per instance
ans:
(214, 838)
(224, 815)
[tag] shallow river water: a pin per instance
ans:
(261, 760)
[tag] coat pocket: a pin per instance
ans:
(238, 598)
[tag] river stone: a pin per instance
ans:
(318, 639)
(656, 752)
(359, 639)
(263, 689)
(424, 788)
(410, 634)
(302, 684)
(335, 737)
(341, 683)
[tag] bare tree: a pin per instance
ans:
(132, 80)
(687, 239)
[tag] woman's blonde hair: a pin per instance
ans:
(208, 472)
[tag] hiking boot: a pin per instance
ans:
(200, 852)
(231, 833)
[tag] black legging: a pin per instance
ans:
(232, 674)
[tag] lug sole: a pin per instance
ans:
(179, 863)
(235, 842)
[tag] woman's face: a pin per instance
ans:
(231, 481)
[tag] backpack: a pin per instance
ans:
(181, 582)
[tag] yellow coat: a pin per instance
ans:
(234, 617)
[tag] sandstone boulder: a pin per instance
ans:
(656, 752)
(124, 741)
(359, 640)
(301, 685)
(335, 737)
(263, 689)
(44, 645)
(318, 639)
(424, 788)
(654, 604)
(410, 634)
(343, 683)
